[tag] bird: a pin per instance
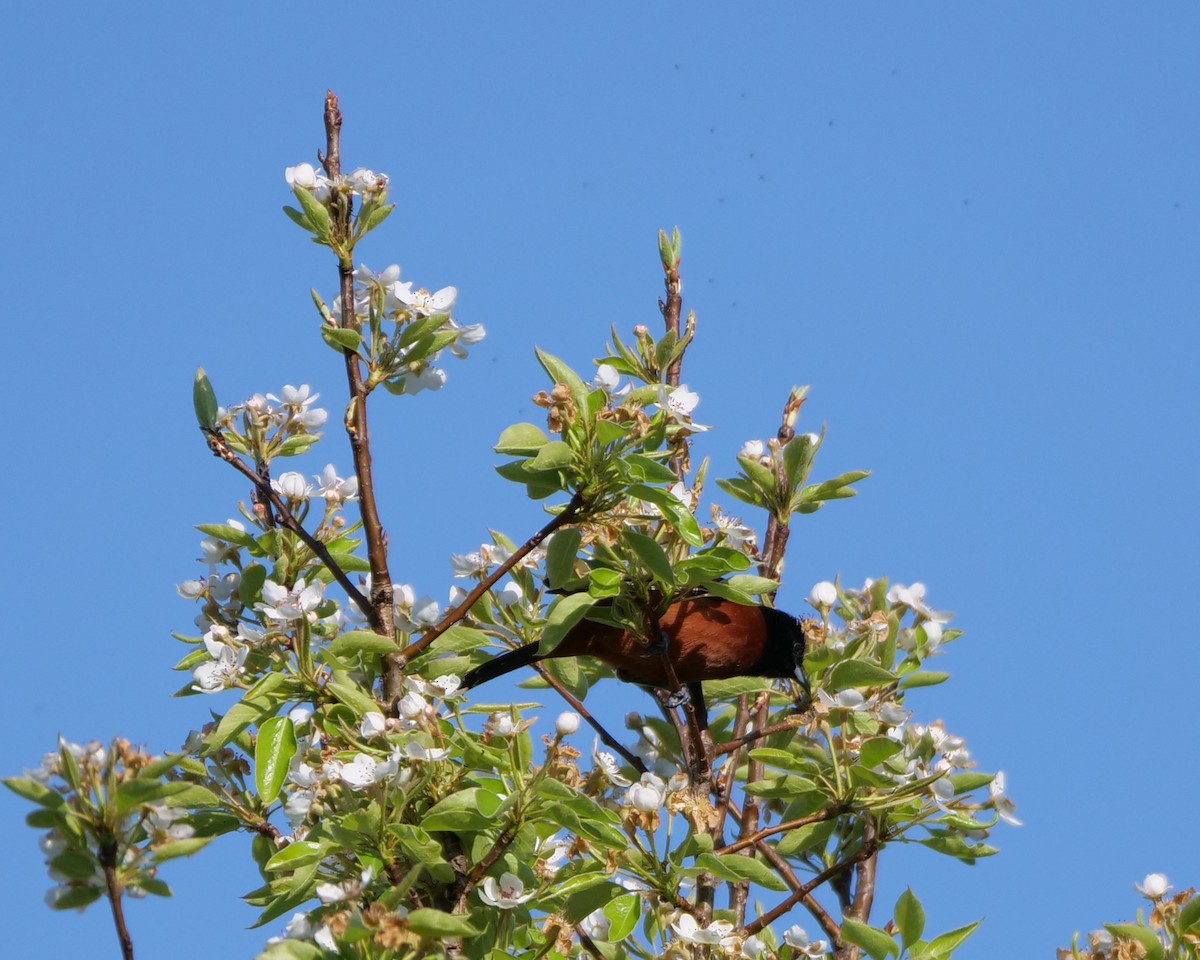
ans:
(705, 638)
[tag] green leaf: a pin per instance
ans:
(561, 556)
(204, 400)
(521, 440)
(950, 941)
(559, 372)
(966, 782)
(876, 942)
(954, 845)
(878, 749)
(362, 641)
(259, 702)
(743, 490)
(910, 918)
(735, 867)
(623, 914)
(798, 457)
(1189, 915)
(297, 444)
(298, 218)
(75, 864)
(250, 588)
(351, 694)
(673, 509)
(76, 898)
(315, 212)
(435, 923)
(471, 809)
(181, 848)
(140, 790)
(341, 338)
(814, 836)
(554, 455)
(295, 855)
(859, 673)
(922, 678)
(194, 797)
(273, 752)
(291, 950)
(647, 469)
(30, 789)
(562, 616)
(223, 531)
(752, 585)
(377, 215)
(652, 556)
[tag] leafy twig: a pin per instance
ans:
(568, 515)
(266, 493)
(379, 610)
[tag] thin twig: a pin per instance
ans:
(467, 883)
(867, 850)
(609, 740)
(808, 901)
(751, 812)
(380, 609)
(108, 861)
(738, 742)
(452, 617)
(264, 490)
(778, 527)
(758, 836)
(864, 880)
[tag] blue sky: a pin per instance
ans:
(974, 229)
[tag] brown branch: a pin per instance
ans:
(108, 861)
(864, 883)
(751, 812)
(725, 783)
(672, 310)
(811, 903)
(467, 883)
(778, 529)
(867, 850)
(609, 740)
(266, 493)
(758, 836)
(738, 742)
(380, 610)
(570, 512)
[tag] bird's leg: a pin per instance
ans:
(698, 743)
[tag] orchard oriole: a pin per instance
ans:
(705, 638)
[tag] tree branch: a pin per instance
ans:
(108, 861)
(568, 515)
(265, 493)
(380, 611)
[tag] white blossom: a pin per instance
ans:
(280, 603)
(505, 893)
(222, 670)
(648, 794)
(333, 488)
(566, 723)
(346, 890)
(688, 929)
(1006, 809)
(373, 724)
(1154, 887)
(823, 596)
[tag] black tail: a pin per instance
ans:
(500, 665)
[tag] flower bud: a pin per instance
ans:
(567, 723)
